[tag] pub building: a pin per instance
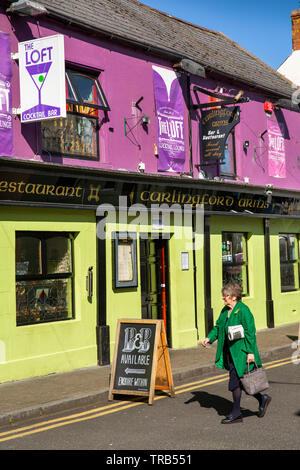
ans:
(139, 172)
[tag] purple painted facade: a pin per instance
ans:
(124, 142)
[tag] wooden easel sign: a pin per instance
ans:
(141, 361)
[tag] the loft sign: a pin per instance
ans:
(42, 78)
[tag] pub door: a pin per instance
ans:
(154, 281)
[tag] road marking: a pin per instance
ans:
(114, 407)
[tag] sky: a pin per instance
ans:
(262, 27)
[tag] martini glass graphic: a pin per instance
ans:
(38, 74)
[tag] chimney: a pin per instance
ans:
(295, 17)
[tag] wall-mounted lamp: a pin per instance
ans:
(269, 193)
(141, 167)
(145, 119)
(27, 8)
(246, 145)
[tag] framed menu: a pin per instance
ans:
(125, 260)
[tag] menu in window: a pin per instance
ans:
(125, 262)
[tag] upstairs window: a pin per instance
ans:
(227, 167)
(77, 134)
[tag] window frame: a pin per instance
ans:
(223, 174)
(244, 263)
(78, 101)
(43, 236)
(295, 262)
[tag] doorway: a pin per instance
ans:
(155, 281)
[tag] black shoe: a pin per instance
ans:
(264, 405)
(231, 419)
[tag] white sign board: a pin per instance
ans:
(42, 78)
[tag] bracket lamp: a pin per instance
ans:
(246, 145)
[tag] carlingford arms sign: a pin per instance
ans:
(49, 189)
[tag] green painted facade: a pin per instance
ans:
(40, 349)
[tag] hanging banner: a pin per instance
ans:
(170, 120)
(216, 125)
(6, 127)
(42, 78)
(276, 149)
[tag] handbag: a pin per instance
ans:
(235, 332)
(255, 381)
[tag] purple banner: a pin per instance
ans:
(6, 128)
(170, 120)
(276, 149)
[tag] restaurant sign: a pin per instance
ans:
(42, 78)
(216, 125)
(21, 187)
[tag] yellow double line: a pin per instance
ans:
(115, 407)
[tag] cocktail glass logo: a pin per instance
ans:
(38, 63)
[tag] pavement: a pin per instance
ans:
(58, 392)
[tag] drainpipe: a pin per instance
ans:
(269, 299)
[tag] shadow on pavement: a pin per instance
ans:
(222, 406)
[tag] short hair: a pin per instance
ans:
(233, 289)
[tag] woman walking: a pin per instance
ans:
(235, 355)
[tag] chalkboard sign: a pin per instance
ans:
(141, 360)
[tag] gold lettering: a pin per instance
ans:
(72, 191)
(38, 187)
(203, 201)
(144, 198)
(60, 191)
(212, 200)
(3, 185)
(94, 193)
(165, 197)
(196, 200)
(12, 186)
(229, 201)
(50, 189)
(188, 200)
(78, 190)
(220, 201)
(242, 202)
(20, 185)
(30, 185)
(155, 197)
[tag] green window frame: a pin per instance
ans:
(235, 259)
(44, 277)
(289, 261)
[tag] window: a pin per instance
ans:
(227, 165)
(289, 261)
(234, 258)
(44, 277)
(77, 135)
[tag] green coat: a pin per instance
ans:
(239, 348)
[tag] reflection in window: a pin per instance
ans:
(77, 134)
(234, 259)
(44, 277)
(289, 262)
(227, 165)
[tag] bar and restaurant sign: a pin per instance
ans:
(42, 78)
(6, 127)
(170, 120)
(216, 125)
